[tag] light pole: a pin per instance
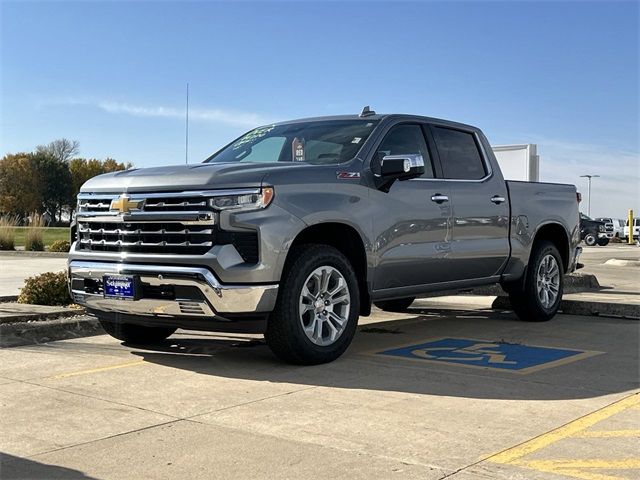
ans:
(589, 201)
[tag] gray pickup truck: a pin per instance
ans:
(295, 229)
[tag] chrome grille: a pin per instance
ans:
(149, 237)
(170, 223)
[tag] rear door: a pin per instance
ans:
(480, 203)
(412, 220)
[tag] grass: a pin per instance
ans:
(49, 235)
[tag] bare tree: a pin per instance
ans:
(61, 149)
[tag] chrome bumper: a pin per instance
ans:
(190, 291)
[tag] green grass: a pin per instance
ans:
(51, 234)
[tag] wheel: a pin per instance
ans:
(591, 239)
(540, 297)
(317, 310)
(603, 242)
(396, 305)
(136, 334)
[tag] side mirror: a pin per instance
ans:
(399, 167)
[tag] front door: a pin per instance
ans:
(413, 224)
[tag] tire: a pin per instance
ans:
(299, 338)
(591, 239)
(136, 334)
(396, 305)
(603, 242)
(526, 302)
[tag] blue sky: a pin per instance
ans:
(112, 75)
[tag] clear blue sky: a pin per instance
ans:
(112, 75)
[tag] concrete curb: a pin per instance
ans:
(584, 307)
(20, 317)
(622, 263)
(29, 333)
(22, 253)
(8, 298)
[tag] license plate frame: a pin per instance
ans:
(120, 287)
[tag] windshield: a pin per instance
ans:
(324, 142)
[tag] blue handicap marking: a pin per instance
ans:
(482, 353)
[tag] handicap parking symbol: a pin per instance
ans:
(495, 355)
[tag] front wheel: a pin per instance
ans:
(317, 311)
(540, 297)
(136, 334)
(591, 239)
(603, 242)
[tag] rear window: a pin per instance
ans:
(459, 154)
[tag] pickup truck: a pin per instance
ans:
(295, 229)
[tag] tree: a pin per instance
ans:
(83, 169)
(55, 182)
(62, 149)
(20, 185)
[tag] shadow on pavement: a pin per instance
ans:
(18, 468)
(613, 370)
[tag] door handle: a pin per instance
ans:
(497, 199)
(439, 198)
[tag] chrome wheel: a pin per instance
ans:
(548, 281)
(324, 305)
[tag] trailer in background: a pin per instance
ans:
(518, 162)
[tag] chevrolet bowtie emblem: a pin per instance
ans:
(124, 204)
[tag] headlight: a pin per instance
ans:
(243, 200)
(601, 228)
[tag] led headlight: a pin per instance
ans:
(243, 200)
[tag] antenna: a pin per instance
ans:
(186, 130)
(366, 111)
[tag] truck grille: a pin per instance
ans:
(171, 223)
(145, 237)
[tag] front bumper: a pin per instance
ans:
(169, 292)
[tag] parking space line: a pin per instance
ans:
(608, 433)
(568, 430)
(99, 369)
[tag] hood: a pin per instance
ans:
(186, 177)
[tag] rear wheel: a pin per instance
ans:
(591, 239)
(540, 297)
(603, 242)
(318, 306)
(395, 305)
(136, 334)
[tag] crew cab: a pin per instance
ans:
(296, 229)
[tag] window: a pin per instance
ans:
(323, 142)
(459, 154)
(263, 151)
(405, 140)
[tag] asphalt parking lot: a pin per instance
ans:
(462, 392)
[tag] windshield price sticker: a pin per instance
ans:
(297, 147)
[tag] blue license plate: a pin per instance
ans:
(119, 286)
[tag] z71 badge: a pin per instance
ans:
(347, 175)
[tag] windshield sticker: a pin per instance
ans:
(356, 139)
(297, 149)
(347, 175)
(252, 136)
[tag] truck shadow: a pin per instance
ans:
(610, 366)
(15, 468)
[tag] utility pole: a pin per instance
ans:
(186, 130)
(589, 177)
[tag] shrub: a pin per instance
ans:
(46, 289)
(33, 240)
(60, 246)
(8, 232)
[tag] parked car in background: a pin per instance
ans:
(609, 226)
(593, 232)
(636, 229)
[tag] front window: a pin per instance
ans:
(325, 142)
